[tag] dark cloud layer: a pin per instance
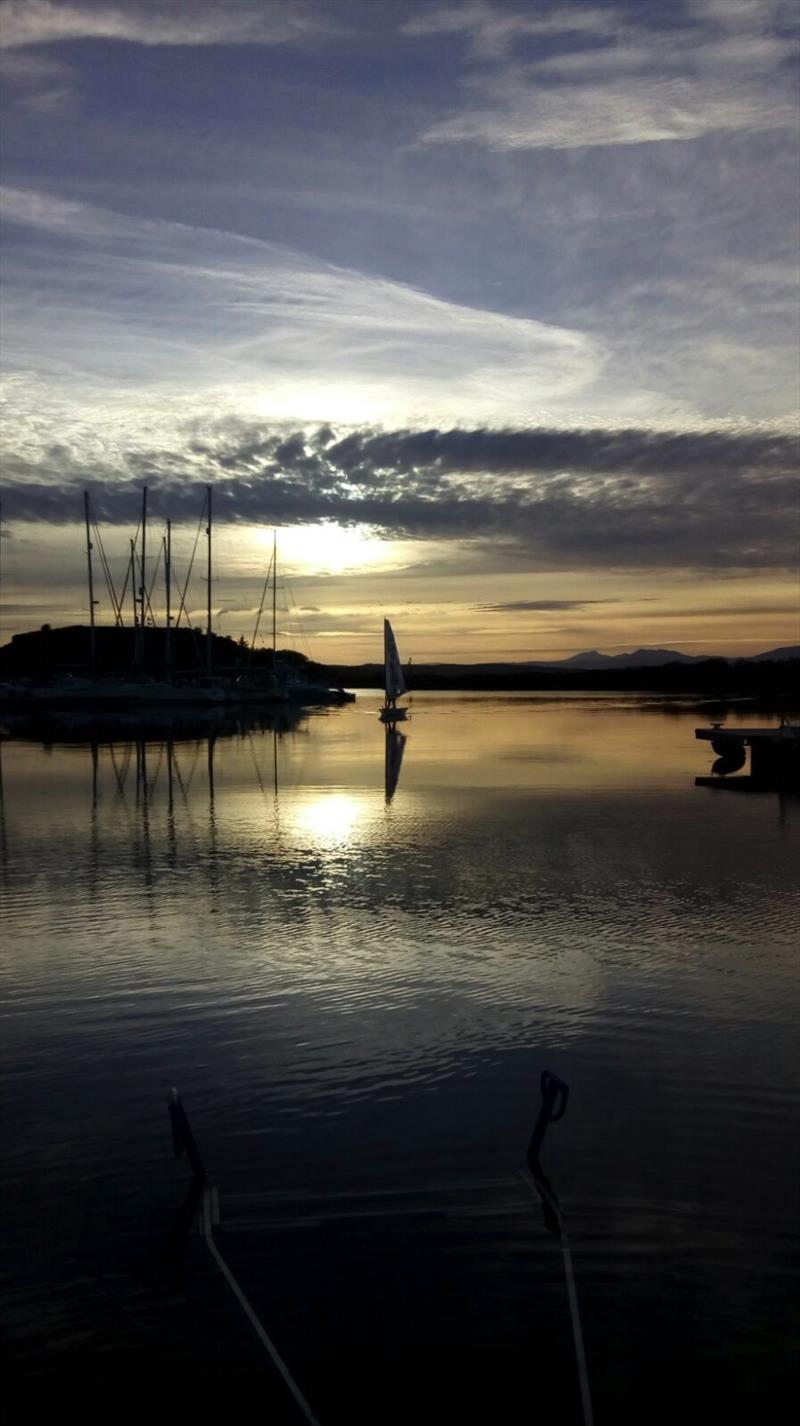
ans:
(633, 497)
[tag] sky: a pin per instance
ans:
(491, 310)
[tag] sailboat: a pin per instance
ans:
(393, 681)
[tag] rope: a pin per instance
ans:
(261, 1334)
(149, 592)
(539, 1188)
(129, 568)
(115, 603)
(296, 624)
(182, 605)
(261, 608)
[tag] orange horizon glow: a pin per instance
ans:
(336, 584)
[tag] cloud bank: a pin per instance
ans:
(610, 499)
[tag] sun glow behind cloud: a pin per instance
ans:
(329, 548)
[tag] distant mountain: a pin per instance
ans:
(655, 658)
(649, 658)
(792, 651)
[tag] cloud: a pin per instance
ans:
(31, 68)
(508, 452)
(32, 209)
(618, 111)
(492, 29)
(163, 22)
(36, 82)
(744, 15)
(121, 319)
(541, 606)
(634, 499)
(119, 328)
(627, 82)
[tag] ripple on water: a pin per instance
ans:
(353, 995)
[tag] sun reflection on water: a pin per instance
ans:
(332, 818)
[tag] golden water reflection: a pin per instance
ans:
(330, 818)
(332, 774)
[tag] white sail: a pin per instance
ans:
(393, 673)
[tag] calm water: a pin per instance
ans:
(356, 997)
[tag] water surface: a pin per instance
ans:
(355, 995)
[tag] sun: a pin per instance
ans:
(329, 548)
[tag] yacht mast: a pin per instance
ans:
(167, 581)
(141, 596)
(209, 636)
(133, 581)
(274, 600)
(92, 600)
(143, 585)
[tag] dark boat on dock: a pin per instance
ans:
(774, 753)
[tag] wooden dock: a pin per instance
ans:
(774, 752)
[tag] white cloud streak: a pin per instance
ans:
(36, 82)
(492, 30)
(164, 22)
(615, 112)
(124, 323)
(627, 83)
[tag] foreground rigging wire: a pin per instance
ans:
(116, 603)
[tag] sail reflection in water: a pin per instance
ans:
(393, 760)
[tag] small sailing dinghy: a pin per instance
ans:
(393, 680)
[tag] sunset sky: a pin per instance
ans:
(491, 309)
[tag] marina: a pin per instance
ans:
(153, 662)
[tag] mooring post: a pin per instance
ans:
(183, 1139)
(555, 1092)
